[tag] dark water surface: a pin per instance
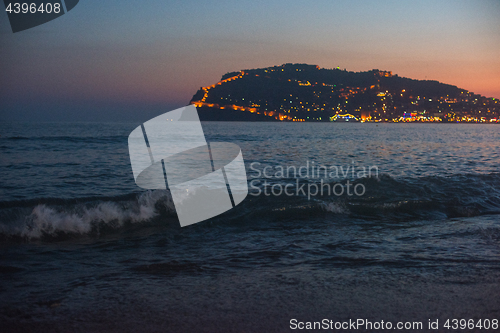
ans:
(84, 249)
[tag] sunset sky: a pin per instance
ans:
(130, 60)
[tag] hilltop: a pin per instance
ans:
(301, 92)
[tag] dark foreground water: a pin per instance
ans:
(84, 249)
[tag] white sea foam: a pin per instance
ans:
(334, 207)
(81, 219)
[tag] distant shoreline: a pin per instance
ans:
(351, 122)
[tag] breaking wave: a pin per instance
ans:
(387, 199)
(88, 216)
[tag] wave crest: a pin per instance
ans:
(84, 218)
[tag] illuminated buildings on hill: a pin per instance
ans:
(305, 93)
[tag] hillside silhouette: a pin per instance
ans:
(301, 92)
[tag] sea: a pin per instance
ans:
(343, 222)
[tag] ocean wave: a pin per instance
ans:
(50, 220)
(387, 199)
(334, 207)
